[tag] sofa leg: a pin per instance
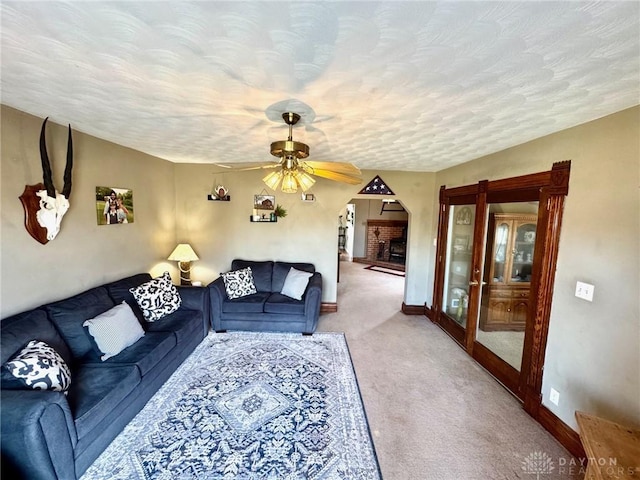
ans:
(221, 331)
(307, 334)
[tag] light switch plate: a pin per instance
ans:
(554, 396)
(584, 291)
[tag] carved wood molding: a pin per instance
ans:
(31, 205)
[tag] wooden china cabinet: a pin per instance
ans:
(505, 298)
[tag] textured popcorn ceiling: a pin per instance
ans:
(386, 85)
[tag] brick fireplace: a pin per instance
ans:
(386, 240)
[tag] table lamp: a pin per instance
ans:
(184, 255)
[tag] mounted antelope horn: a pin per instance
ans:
(46, 166)
(66, 189)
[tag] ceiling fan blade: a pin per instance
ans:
(341, 167)
(243, 167)
(337, 177)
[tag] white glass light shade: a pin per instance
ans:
(289, 184)
(273, 179)
(305, 181)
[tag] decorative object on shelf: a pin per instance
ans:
(463, 217)
(264, 208)
(391, 205)
(293, 171)
(308, 197)
(184, 255)
(264, 202)
(280, 211)
(220, 193)
(43, 206)
(114, 205)
(376, 186)
(529, 237)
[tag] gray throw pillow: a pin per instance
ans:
(296, 283)
(114, 330)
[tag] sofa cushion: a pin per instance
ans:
(114, 330)
(39, 367)
(96, 392)
(261, 272)
(146, 353)
(239, 283)
(157, 297)
(68, 316)
(282, 304)
(296, 283)
(249, 304)
(18, 330)
(182, 324)
(119, 291)
(281, 270)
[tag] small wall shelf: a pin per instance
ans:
(263, 220)
(214, 198)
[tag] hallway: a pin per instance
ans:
(433, 412)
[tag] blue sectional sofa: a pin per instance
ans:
(53, 435)
(267, 309)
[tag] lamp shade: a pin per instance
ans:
(183, 253)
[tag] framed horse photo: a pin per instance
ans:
(114, 205)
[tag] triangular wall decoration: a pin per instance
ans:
(377, 186)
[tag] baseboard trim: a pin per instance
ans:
(412, 309)
(328, 307)
(428, 312)
(561, 432)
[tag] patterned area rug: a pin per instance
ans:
(391, 271)
(250, 406)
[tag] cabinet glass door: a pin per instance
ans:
(500, 248)
(458, 263)
(523, 252)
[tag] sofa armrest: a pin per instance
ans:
(196, 298)
(312, 302)
(38, 435)
(217, 295)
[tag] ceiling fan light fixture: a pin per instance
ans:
(305, 181)
(273, 179)
(283, 148)
(289, 183)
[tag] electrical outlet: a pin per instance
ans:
(554, 396)
(584, 291)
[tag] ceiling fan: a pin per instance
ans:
(295, 171)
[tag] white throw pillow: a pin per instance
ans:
(296, 283)
(239, 283)
(40, 367)
(114, 330)
(157, 297)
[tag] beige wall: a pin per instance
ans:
(83, 254)
(221, 231)
(593, 351)
(593, 355)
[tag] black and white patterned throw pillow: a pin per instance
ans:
(239, 283)
(157, 297)
(40, 367)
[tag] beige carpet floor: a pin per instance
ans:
(433, 412)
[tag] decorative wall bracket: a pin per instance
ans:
(31, 204)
